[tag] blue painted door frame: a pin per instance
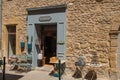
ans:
(56, 18)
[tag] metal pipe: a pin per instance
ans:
(59, 70)
(0, 28)
(4, 62)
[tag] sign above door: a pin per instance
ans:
(45, 18)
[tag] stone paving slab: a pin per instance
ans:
(38, 75)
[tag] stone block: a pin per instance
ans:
(113, 64)
(114, 43)
(113, 49)
(113, 75)
(113, 56)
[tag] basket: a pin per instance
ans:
(53, 60)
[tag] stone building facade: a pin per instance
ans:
(92, 26)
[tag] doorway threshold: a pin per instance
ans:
(47, 68)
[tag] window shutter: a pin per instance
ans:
(61, 41)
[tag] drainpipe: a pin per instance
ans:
(0, 27)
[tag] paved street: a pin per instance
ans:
(32, 75)
(37, 74)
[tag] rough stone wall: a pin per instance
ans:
(92, 23)
(89, 24)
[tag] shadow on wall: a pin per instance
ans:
(11, 76)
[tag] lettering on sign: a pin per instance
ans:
(45, 18)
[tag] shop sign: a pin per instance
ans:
(45, 18)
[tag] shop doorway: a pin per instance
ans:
(46, 42)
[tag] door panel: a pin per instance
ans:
(12, 45)
(61, 41)
(38, 39)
